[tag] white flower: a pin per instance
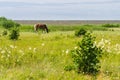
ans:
(29, 48)
(42, 44)
(22, 52)
(67, 51)
(95, 43)
(102, 40)
(101, 43)
(117, 46)
(34, 50)
(11, 46)
(75, 47)
(15, 47)
(118, 52)
(106, 41)
(8, 55)
(2, 56)
(9, 52)
(3, 51)
(108, 50)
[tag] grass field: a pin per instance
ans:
(40, 56)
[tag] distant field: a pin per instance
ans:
(68, 22)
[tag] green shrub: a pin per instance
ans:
(4, 33)
(7, 24)
(110, 25)
(86, 56)
(17, 25)
(3, 19)
(14, 34)
(80, 32)
(68, 68)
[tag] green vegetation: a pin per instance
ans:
(111, 25)
(43, 56)
(14, 34)
(87, 56)
(52, 28)
(80, 32)
(7, 24)
(4, 33)
(11, 26)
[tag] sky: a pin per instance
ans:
(60, 9)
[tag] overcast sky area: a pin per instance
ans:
(60, 9)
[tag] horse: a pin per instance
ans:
(40, 26)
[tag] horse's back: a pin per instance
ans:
(42, 24)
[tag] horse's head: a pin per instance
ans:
(46, 29)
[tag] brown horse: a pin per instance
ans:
(41, 26)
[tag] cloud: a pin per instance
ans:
(60, 9)
(21, 3)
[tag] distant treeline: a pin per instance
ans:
(68, 22)
(7, 23)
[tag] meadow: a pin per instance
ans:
(42, 56)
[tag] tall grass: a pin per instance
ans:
(38, 56)
(43, 56)
(26, 28)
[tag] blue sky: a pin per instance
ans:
(60, 10)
